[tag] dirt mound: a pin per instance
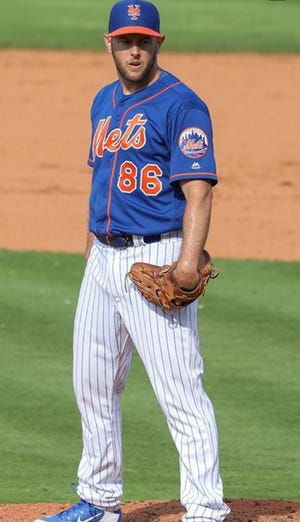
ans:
(242, 510)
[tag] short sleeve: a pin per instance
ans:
(192, 151)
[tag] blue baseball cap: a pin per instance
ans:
(139, 18)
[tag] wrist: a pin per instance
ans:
(190, 264)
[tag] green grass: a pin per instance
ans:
(192, 25)
(40, 433)
(252, 333)
(249, 326)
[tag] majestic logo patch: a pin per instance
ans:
(196, 165)
(134, 11)
(193, 142)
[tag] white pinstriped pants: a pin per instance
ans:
(109, 322)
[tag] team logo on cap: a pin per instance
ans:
(134, 11)
(193, 142)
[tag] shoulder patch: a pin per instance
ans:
(193, 142)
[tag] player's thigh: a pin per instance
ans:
(101, 342)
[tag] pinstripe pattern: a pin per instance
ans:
(110, 320)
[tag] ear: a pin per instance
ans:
(107, 41)
(160, 42)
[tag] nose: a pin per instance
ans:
(135, 50)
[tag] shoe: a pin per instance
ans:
(83, 512)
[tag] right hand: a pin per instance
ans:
(89, 244)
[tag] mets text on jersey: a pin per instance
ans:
(134, 136)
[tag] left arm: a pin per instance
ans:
(196, 222)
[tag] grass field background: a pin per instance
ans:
(192, 25)
(250, 317)
(251, 348)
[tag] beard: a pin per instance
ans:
(139, 78)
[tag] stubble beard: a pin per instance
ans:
(137, 80)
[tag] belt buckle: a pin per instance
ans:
(127, 241)
(119, 241)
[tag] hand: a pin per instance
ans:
(89, 244)
(186, 278)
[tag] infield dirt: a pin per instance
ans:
(45, 97)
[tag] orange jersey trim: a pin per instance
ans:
(198, 174)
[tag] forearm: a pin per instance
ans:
(196, 224)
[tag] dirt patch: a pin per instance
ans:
(168, 511)
(45, 97)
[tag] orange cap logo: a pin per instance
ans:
(134, 11)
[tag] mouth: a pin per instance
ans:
(135, 65)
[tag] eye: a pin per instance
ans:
(123, 40)
(145, 41)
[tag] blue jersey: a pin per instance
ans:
(142, 145)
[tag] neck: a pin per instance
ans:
(130, 87)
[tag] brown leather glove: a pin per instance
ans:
(158, 284)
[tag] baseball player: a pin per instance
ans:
(151, 193)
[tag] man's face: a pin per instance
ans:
(135, 57)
